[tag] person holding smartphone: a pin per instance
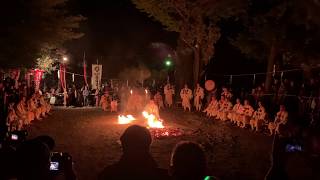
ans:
(295, 156)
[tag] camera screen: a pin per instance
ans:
(54, 166)
(14, 137)
(293, 148)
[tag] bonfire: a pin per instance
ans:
(155, 125)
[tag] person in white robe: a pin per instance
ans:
(213, 107)
(12, 119)
(225, 108)
(237, 110)
(168, 92)
(247, 114)
(152, 108)
(186, 96)
(114, 105)
(104, 102)
(281, 119)
(258, 118)
(198, 96)
(159, 100)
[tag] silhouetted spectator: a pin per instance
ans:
(188, 162)
(7, 162)
(47, 140)
(295, 158)
(136, 161)
(33, 161)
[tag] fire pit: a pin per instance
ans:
(154, 124)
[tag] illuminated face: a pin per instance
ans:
(238, 101)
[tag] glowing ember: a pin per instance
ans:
(153, 122)
(125, 119)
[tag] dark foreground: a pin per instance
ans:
(91, 137)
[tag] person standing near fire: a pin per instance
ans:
(168, 92)
(198, 96)
(158, 100)
(104, 102)
(186, 96)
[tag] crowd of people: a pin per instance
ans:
(35, 159)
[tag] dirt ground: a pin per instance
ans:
(91, 137)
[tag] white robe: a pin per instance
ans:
(186, 96)
(198, 96)
(168, 92)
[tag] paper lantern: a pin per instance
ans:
(210, 85)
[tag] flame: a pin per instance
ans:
(125, 119)
(131, 91)
(146, 91)
(153, 122)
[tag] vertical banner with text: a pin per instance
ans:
(96, 76)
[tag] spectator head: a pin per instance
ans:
(222, 98)
(246, 102)
(198, 85)
(33, 160)
(136, 140)
(188, 161)
(282, 107)
(260, 104)
(185, 86)
(238, 101)
(47, 140)
(213, 98)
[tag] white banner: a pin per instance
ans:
(96, 76)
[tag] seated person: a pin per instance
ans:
(247, 114)
(281, 119)
(237, 109)
(258, 118)
(136, 161)
(213, 107)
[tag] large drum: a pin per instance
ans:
(210, 85)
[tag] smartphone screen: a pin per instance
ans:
(54, 166)
(293, 148)
(14, 137)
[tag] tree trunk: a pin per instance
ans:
(196, 66)
(271, 62)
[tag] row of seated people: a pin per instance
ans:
(27, 110)
(243, 115)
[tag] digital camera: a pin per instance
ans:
(59, 160)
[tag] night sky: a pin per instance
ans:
(117, 34)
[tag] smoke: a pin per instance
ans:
(135, 74)
(138, 98)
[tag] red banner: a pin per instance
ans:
(85, 72)
(37, 77)
(63, 76)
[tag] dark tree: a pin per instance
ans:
(32, 28)
(196, 23)
(284, 32)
